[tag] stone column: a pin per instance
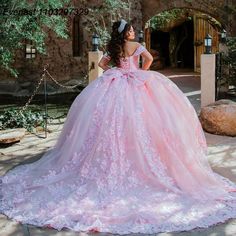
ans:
(207, 79)
(93, 68)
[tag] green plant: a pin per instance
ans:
(229, 60)
(100, 18)
(162, 19)
(16, 27)
(232, 59)
(28, 119)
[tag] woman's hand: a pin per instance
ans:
(103, 63)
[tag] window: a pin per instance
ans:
(77, 37)
(30, 50)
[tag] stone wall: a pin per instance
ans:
(62, 64)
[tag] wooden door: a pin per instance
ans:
(201, 28)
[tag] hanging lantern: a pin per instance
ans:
(223, 36)
(208, 44)
(140, 36)
(95, 42)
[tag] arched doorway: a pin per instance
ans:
(220, 10)
(176, 38)
(182, 54)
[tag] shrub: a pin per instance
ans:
(28, 119)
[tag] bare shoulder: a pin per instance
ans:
(130, 47)
(133, 45)
(136, 44)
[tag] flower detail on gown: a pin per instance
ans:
(131, 158)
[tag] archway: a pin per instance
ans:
(176, 37)
(220, 10)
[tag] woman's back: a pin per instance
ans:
(123, 50)
(132, 51)
(131, 60)
(130, 48)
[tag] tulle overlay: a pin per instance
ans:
(131, 157)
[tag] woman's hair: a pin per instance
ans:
(115, 46)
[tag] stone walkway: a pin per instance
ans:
(222, 157)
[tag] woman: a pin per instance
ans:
(131, 158)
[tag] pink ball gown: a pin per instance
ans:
(131, 158)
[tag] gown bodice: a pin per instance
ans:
(128, 69)
(130, 62)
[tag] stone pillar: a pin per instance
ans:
(207, 79)
(94, 70)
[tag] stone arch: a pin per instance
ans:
(216, 9)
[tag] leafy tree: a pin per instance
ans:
(17, 25)
(100, 18)
(16, 28)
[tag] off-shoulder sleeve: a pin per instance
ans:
(139, 50)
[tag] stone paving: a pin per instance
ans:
(222, 157)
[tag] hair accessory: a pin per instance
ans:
(122, 25)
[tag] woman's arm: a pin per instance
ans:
(103, 63)
(148, 59)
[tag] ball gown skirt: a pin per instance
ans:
(131, 158)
